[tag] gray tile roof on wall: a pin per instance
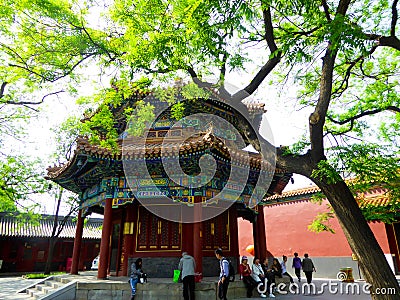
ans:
(10, 226)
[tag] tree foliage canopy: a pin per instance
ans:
(344, 56)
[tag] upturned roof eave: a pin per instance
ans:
(208, 141)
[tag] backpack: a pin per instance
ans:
(231, 271)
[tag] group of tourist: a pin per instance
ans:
(187, 266)
(261, 273)
(258, 274)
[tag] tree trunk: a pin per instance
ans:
(54, 235)
(362, 241)
(52, 243)
(359, 235)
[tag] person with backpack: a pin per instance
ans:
(223, 281)
(308, 267)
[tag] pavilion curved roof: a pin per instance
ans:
(90, 158)
(157, 147)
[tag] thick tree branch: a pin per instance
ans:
(342, 7)
(317, 118)
(385, 41)
(326, 10)
(257, 80)
(2, 88)
(275, 58)
(390, 41)
(269, 30)
(394, 18)
(223, 67)
(197, 80)
(299, 164)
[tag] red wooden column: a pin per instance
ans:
(255, 239)
(105, 240)
(198, 247)
(198, 238)
(260, 244)
(262, 240)
(233, 232)
(129, 230)
(77, 244)
(187, 232)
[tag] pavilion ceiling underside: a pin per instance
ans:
(80, 180)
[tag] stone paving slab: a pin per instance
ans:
(10, 285)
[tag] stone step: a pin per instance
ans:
(54, 284)
(61, 279)
(43, 288)
(35, 293)
(46, 289)
(21, 297)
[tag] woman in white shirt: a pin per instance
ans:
(258, 274)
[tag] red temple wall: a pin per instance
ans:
(28, 254)
(245, 236)
(287, 232)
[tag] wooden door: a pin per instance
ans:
(115, 248)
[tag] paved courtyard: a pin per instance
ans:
(322, 289)
(10, 285)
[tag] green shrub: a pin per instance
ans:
(41, 275)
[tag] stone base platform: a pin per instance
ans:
(118, 288)
(150, 290)
(154, 289)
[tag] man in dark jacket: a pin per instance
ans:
(187, 265)
(308, 267)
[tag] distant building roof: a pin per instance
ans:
(288, 195)
(10, 226)
(376, 197)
